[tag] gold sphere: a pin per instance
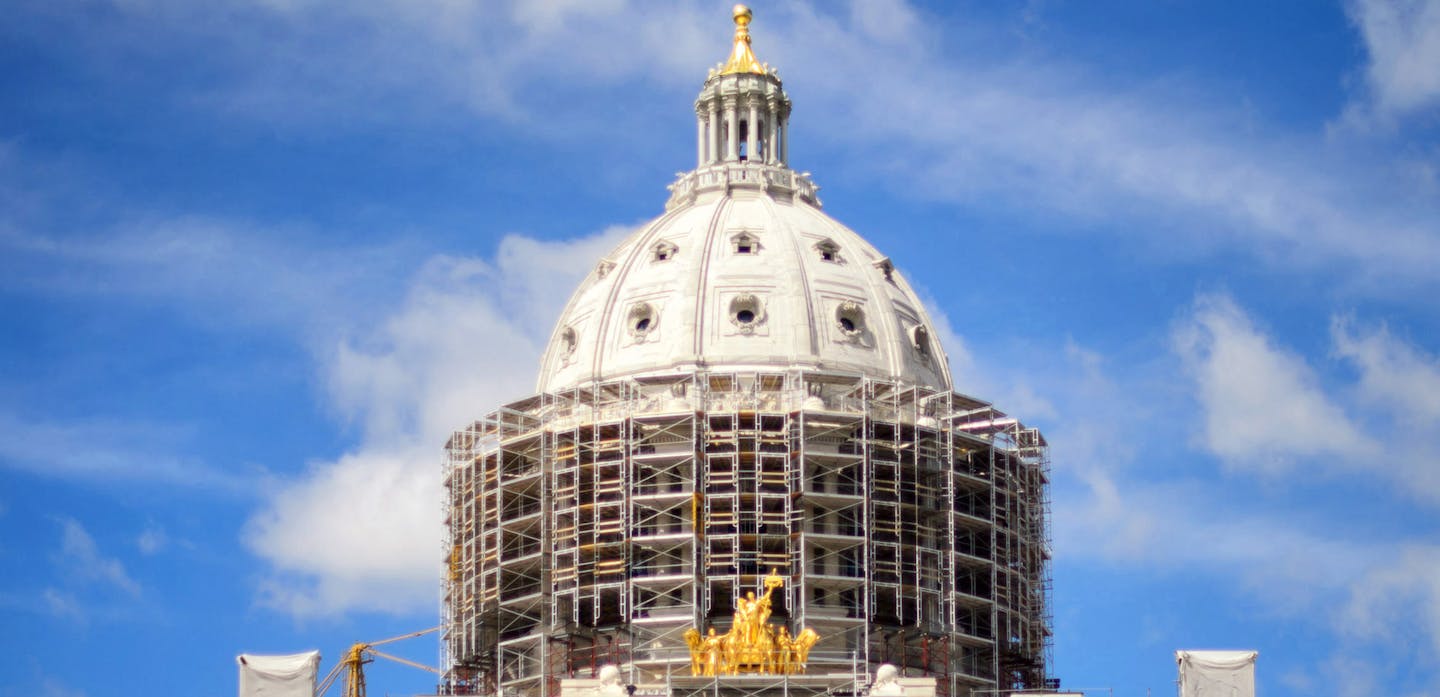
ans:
(743, 15)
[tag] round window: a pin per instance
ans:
(851, 319)
(746, 312)
(642, 319)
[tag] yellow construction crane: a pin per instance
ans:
(362, 653)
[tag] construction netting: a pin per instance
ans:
(278, 676)
(1217, 673)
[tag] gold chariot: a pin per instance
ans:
(752, 645)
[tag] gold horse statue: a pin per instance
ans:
(752, 645)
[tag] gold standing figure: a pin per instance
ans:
(752, 645)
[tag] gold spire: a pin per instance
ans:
(742, 59)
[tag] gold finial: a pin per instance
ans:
(743, 15)
(742, 59)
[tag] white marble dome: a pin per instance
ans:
(744, 280)
(743, 272)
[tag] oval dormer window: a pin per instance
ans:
(568, 341)
(642, 320)
(850, 317)
(746, 312)
(920, 340)
(664, 251)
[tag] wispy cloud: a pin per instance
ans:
(107, 450)
(405, 354)
(1127, 497)
(217, 273)
(1394, 375)
(1263, 405)
(1398, 601)
(1265, 408)
(1181, 172)
(63, 605)
(1399, 383)
(1177, 171)
(1402, 40)
(81, 559)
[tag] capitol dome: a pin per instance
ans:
(743, 271)
(744, 472)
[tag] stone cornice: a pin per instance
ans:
(773, 180)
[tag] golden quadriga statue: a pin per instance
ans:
(752, 645)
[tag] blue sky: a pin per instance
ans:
(257, 259)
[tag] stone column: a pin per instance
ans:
(785, 142)
(732, 137)
(752, 133)
(700, 135)
(714, 130)
(772, 138)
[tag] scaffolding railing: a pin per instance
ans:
(599, 523)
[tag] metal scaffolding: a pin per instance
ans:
(595, 525)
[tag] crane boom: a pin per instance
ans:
(411, 635)
(360, 653)
(405, 661)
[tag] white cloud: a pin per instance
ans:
(364, 531)
(1373, 594)
(1398, 601)
(105, 451)
(1402, 38)
(221, 273)
(1394, 375)
(1263, 406)
(1127, 498)
(1184, 173)
(63, 605)
(81, 558)
(361, 530)
(1400, 384)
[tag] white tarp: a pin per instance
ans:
(1217, 673)
(278, 676)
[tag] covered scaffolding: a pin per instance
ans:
(596, 524)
